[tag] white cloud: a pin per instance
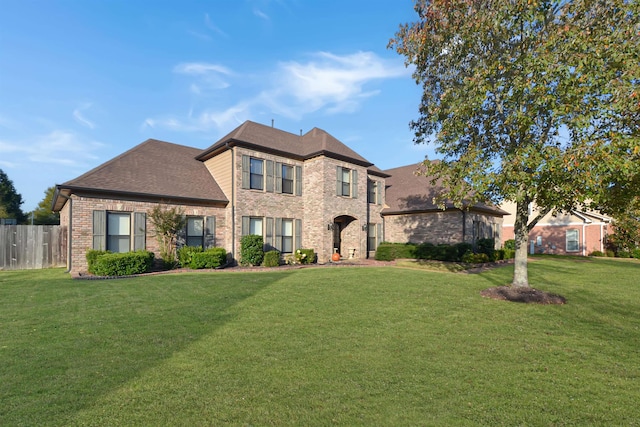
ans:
(210, 25)
(326, 83)
(261, 14)
(77, 114)
(57, 147)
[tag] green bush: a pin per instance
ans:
(92, 255)
(251, 250)
(462, 248)
(211, 258)
(623, 254)
(499, 254)
(635, 253)
(510, 244)
(271, 259)
(472, 258)
(486, 246)
(307, 256)
(390, 251)
(123, 264)
(509, 253)
(610, 253)
(596, 253)
(186, 253)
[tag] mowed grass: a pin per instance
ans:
(321, 346)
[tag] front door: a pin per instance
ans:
(336, 237)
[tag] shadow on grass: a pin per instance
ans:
(66, 343)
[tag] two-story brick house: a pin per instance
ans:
(297, 191)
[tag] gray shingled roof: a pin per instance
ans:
(313, 143)
(153, 168)
(409, 192)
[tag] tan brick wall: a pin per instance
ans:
(436, 227)
(82, 223)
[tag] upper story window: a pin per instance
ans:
(287, 179)
(374, 192)
(256, 178)
(346, 182)
(271, 176)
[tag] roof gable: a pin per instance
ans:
(153, 168)
(313, 143)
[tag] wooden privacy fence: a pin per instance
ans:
(28, 247)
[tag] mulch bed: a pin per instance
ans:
(525, 295)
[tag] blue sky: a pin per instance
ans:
(82, 81)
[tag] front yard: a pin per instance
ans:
(322, 346)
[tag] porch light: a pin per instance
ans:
(365, 226)
(330, 226)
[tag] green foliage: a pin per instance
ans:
(185, 254)
(271, 259)
(10, 200)
(123, 264)
(251, 250)
(505, 83)
(390, 251)
(92, 255)
(43, 215)
(596, 253)
(635, 253)
(487, 247)
(510, 244)
(306, 256)
(477, 258)
(167, 222)
(211, 258)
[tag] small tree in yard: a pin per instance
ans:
(530, 101)
(167, 223)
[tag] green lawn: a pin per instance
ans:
(322, 346)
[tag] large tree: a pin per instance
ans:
(10, 200)
(43, 215)
(527, 101)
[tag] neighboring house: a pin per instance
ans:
(412, 216)
(297, 191)
(574, 233)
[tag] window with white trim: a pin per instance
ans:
(573, 240)
(346, 182)
(287, 236)
(255, 225)
(195, 231)
(287, 179)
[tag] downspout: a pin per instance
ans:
(69, 234)
(601, 236)
(233, 202)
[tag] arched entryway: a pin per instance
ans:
(345, 236)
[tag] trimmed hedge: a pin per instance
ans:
(122, 264)
(186, 253)
(309, 256)
(211, 258)
(442, 252)
(271, 259)
(390, 251)
(92, 255)
(251, 250)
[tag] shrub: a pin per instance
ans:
(92, 255)
(251, 250)
(123, 264)
(307, 256)
(596, 253)
(499, 254)
(623, 254)
(211, 258)
(610, 253)
(271, 259)
(510, 244)
(462, 248)
(509, 253)
(635, 253)
(186, 253)
(488, 247)
(390, 251)
(472, 258)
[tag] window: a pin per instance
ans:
(371, 191)
(371, 238)
(287, 236)
(287, 179)
(573, 244)
(195, 231)
(346, 182)
(255, 226)
(118, 232)
(256, 179)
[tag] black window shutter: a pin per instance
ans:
(99, 230)
(210, 232)
(379, 189)
(246, 169)
(139, 231)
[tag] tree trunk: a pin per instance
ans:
(521, 232)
